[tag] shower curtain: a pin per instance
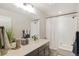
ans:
(61, 32)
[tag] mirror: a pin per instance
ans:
(5, 22)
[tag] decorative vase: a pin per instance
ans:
(3, 51)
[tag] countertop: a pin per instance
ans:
(26, 49)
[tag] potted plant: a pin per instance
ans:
(10, 36)
(34, 37)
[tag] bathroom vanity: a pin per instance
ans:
(39, 47)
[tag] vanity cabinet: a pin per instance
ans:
(34, 53)
(41, 51)
(34, 48)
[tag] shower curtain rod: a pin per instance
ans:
(62, 15)
(35, 19)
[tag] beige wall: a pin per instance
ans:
(77, 9)
(78, 24)
(19, 21)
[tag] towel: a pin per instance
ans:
(1, 39)
(6, 40)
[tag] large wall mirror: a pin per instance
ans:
(35, 28)
(6, 22)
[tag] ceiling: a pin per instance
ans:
(52, 9)
(47, 9)
(11, 7)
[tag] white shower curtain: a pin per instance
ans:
(61, 32)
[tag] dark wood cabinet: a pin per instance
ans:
(34, 53)
(41, 51)
(47, 51)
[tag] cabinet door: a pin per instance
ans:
(34, 53)
(41, 50)
(42, 53)
(46, 51)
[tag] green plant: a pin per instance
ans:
(34, 37)
(0, 44)
(10, 35)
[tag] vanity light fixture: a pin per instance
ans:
(26, 6)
